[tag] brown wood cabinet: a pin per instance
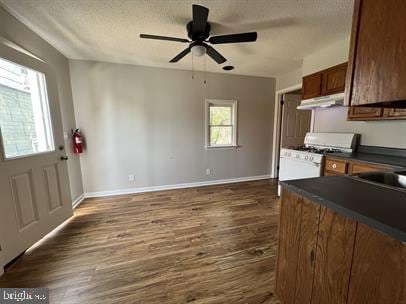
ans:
(366, 113)
(333, 79)
(326, 82)
(289, 235)
(361, 113)
(395, 113)
(325, 257)
(337, 166)
(311, 86)
(377, 65)
(333, 257)
(379, 265)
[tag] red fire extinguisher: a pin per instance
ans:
(77, 142)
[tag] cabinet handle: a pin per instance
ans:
(334, 166)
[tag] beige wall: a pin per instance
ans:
(16, 32)
(150, 122)
(374, 133)
(289, 79)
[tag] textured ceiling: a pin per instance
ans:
(108, 30)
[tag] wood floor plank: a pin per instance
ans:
(209, 245)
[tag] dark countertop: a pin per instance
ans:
(373, 158)
(381, 208)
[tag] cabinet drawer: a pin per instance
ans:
(359, 168)
(336, 166)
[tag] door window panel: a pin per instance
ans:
(25, 121)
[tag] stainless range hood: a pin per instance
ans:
(322, 102)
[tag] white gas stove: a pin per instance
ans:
(308, 160)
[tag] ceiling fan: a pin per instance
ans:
(198, 31)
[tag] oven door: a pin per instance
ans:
(292, 168)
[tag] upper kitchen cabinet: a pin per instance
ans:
(311, 86)
(377, 65)
(326, 82)
(334, 79)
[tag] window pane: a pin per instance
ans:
(24, 111)
(220, 115)
(220, 136)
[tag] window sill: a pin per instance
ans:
(222, 147)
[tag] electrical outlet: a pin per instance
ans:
(131, 177)
(208, 171)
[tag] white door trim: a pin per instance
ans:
(277, 126)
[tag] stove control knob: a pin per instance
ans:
(311, 158)
(297, 156)
(289, 154)
(306, 157)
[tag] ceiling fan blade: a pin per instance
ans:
(200, 15)
(180, 55)
(234, 38)
(146, 36)
(216, 56)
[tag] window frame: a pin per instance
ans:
(234, 122)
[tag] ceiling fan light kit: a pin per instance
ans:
(199, 32)
(198, 50)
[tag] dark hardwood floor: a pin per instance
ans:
(207, 245)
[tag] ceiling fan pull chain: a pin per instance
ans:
(193, 71)
(204, 69)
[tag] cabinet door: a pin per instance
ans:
(379, 269)
(307, 251)
(289, 235)
(395, 113)
(311, 86)
(333, 79)
(335, 246)
(377, 52)
(362, 113)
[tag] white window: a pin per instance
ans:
(221, 123)
(25, 121)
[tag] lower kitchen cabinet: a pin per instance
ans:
(289, 235)
(325, 257)
(309, 227)
(333, 257)
(379, 266)
(335, 166)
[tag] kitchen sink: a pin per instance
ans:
(390, 179)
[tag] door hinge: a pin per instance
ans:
(282, 102)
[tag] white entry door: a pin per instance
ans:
(34, 187)
(295, 123)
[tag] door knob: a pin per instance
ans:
(64, 158)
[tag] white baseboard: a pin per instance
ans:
(77, 201)
(176, 186)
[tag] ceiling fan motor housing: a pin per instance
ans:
(198, 36)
